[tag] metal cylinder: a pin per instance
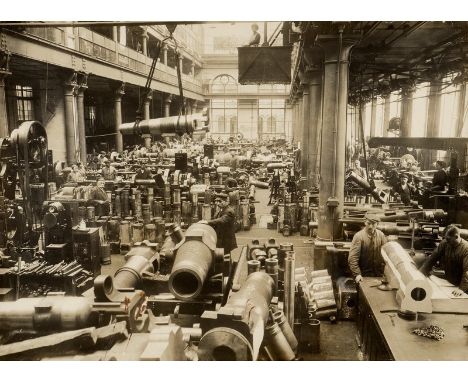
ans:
(186, 212)
(310, 336)
(124, 232)
(146, 213)
(277, 346)
(52, 313)
(137, 211)
(271, 268)
(82, 213)
(113, 229)
(206, 212)
(160, 230)
(259, 184)
(158, 209)
(208, 196)
(167, 193)
(176, 195)
(282, 322)
(289, 286)
(224, 343)
(137, 232)
(150, 232)
(176, 216)
(105, 254)
(281, 213)
(117, 205)
(90, 214)
(253, 266)
(293, 216)
(140, 260)
(125, 203)
(150, 200)
(245, 212)
(192, 262)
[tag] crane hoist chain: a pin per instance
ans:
(149, 79)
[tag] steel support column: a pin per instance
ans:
(3, 109)
(81, 120)
(118, 117)
(461, 110)
(300, 120)
(332, 163)
(146, 110)
(305, 128)
(70, 126)
(386, 115)
(315, 124)
(373, 120)
(406, 110)
(167, 105)
(433, 119)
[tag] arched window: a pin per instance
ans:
(224, 104)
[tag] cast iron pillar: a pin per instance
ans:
(386, 115)
(165, 48)
(332, 164)
(120, 91)
(70, 119)
(146, 109)
(167, 105)
(300, 119)
(373, 119)
(144, 41)
(433, 119)
(315, 127)
(3, 109)
(81, 117)
(406, 110)
(461, 110)
(293, 120)
(305, 117)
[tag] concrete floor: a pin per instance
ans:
(337, 341)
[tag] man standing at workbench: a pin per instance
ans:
(365, 258)
(223, 223)
(452, 255)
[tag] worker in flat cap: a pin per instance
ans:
(404, 190)
(223, 223)
(108, 172)
(365, 259)
(451, 255)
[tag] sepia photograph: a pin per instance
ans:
(233, 188)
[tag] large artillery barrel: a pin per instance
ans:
(235, 332)
(193, 261)
(52, 313)
(379, 195)
(140, 260)
(167, 125)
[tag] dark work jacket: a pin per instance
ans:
(364, 257)
(405, 195)
(223, 223)
(439, 180)
(453, 260)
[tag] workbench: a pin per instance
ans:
(383, 335)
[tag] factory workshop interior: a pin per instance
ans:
(233, 191)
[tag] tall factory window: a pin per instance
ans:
(271, 116)
(24, 103)
(224, 108)
(224, 115)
